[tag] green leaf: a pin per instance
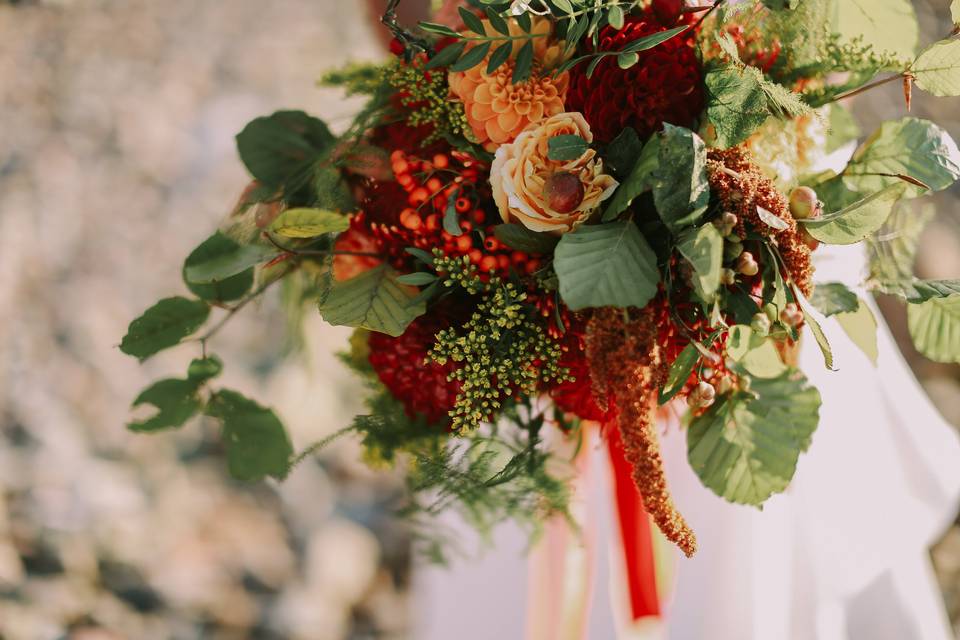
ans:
(680, 372)
(373, 300)
(746, 447)
(893, 249)
(256, 442)
(451, 219)
(814, 320)
(517, 236)
(164, 325)
(843, 127)
(937, 69)
(627, 60)
(564, 6)
(652, 40)
(219, 266)
(417, 279)
(446, 56)
(308, 223)
(832, 298)
(524, 63)
(935, 328)
(681, 191)
(615, 17)
(621, 154)
(497, 21)
(471, 20)
(423, 256)
(332, 191)
(754, 352)
(472, 58)
(703, 247)
(439, 29)
(912, 147)
(524, 21)
(500, 55)
(176, 402)
(915, 290)
(566, 147)
(861, 327)
(854, 223)
(281, 148)
(606, 265)
(231, 288)
(770, 219)
(890, 25)
(736, 106)
(640, 180)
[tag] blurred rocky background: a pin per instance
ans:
(117, 120)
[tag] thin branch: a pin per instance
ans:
(868, 87)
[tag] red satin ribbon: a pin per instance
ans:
(635, 533)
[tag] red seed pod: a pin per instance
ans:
(491, 243)
(462, 205)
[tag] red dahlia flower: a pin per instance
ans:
(665, 85)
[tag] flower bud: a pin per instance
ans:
(761, 324)
(791, 316)
(746, 265)
(702, 396)
(725, 385)
(728, 276)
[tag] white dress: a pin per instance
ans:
(841, 555)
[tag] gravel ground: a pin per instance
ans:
(116, 158)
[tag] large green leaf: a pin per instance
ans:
(736, 107)
(606, 265)
(893, 249)
(256, 442)
(815, 321)
(308, 223)
(861, 327)
(639, 180)
(937, 69)
(681, 191)
(886, 25)
(746, 447)
(517, 236)
(935, 328)
(831, 298)
(915, 290)
(373, 300)
(164, 325)
(857, 221)
(703, 248)
(680, 372)
(282, 148)
(176, 402)
(231, 288)
(910, 146)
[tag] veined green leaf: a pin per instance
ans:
(497, 21)
(606, 265)
(217, 246)
(937, 69)
(524, 63)
(746, 447)
(736, 107)
(439, 29)
(256, 442)
(893, 249)
(703, 248)
(280, 149)
(912, 147)
(566, 147)
(373, 300)
(681, 191)
(164, 325)
(651, 41)
(471, 20)
(831, 298)
(500, 55)
(446, 56)
(472, 58)
(639, 180)
(935, 328)
(814, 321)
(755, 353)
(854, 223)
(915, 290)
(176, 402)
(308, 223)
(861, 327)
(417, 279)
(621, 154)
(890, 25)
(219, 266)
(203, 369)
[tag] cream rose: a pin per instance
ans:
(543, 194)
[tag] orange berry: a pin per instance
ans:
(491, 243)
(464, 244)
(434, 185)
(433, 222)
(400, 167)
(440, 161)
(412, 222)
(479, 216)
(462, 205)
(405, 180)
(418, 196)
(532, 266)
(440, 203)
(397, 155)
(518, 257)
(488, 263)
(503, 261)
(476, 256)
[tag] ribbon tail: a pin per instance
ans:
(636, 537)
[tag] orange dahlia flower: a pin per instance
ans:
(498, 110)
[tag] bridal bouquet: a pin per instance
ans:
(557, 214)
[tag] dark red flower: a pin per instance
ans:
(665, 85)
(401, 365)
